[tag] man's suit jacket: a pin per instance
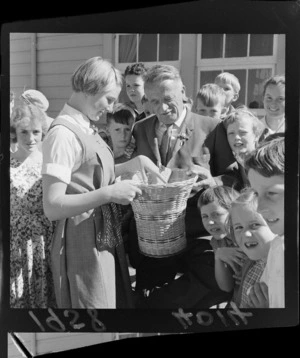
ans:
(202, 141)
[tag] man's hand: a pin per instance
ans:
(206, 179)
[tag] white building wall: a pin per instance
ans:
(58, 55)
(20, 62)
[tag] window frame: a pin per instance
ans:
(122, 65)
(236, 63)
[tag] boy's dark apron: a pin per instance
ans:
(88, 258)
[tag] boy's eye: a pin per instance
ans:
(237, 227)
(204, 216)
(254, 226)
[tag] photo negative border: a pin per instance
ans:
(276, 17)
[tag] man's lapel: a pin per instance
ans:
(185, 132)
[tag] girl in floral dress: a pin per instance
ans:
(30, 231)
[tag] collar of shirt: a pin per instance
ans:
(77, 118)
(161, 127)
(280, 129)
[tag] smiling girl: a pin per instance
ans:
(243, 133)
(254, 237)
(31, 283)
(274, 105)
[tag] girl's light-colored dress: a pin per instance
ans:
(31, 284)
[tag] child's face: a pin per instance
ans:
(29, 135)
(274, 100)
(231, 95)
(214, 111)
(270, 193)
(134, 88)
(251, 232)
(214, 218)
(120, 134)
(241, 137)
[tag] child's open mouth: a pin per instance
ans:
(272, 221)
(214, 230)
(251, 245)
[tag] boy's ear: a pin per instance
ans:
(183, 90)
(235, 97)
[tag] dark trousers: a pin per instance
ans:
(196, 288)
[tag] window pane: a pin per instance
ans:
(236, 45)
(208, 77)
(212, 46)
(168, 47)
(147, 47)
(127, 48)
(241, 75)
(256, 79)
(261, 45)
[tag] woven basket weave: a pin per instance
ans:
(160, 215)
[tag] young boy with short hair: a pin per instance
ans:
(231, 86)
(134, 83)
(266, 176)
(211, 101)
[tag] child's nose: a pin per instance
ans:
(248, 233)
(211, 222)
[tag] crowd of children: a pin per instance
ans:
(245, 222)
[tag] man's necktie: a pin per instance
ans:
(165, 152)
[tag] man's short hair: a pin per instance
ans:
(268, 157)
(159, 73)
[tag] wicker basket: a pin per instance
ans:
(160, 215)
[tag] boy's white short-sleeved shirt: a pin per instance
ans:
(273, 275)
(62, 152)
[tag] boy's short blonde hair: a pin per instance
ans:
(211, 94)
(95, 76)
(240, 113)
(226, 77)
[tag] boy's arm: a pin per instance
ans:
(223, 274)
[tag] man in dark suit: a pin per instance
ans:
(178, 138)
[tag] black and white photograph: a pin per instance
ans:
(143, 177)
